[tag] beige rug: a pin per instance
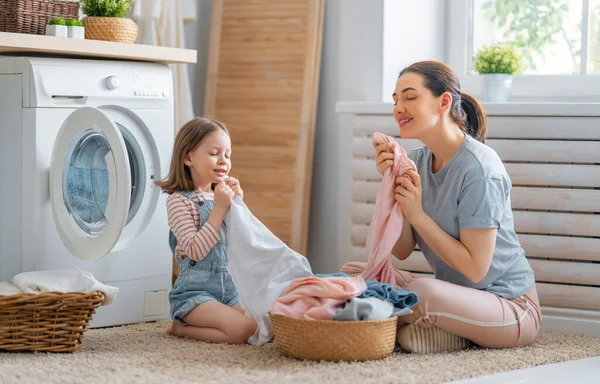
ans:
(143, 353)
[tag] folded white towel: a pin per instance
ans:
(7, 289)
(64, 280)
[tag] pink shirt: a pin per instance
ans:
(387, 221)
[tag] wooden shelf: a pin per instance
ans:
(21, 43)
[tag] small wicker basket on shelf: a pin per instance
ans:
(32, 16)
(46, 322)
(334, 340)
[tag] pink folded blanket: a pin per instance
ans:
(386, 223)
(317, 298)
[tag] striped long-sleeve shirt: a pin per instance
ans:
(184, 220)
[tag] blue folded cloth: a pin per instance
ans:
(399, 297)
(334, 274)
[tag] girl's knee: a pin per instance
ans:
(241, 333)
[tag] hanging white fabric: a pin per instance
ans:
(261, 265)
(160, 22)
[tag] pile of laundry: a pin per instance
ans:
(340, 297)
(62, 280)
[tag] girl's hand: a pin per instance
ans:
(384, 156)
(234, 184)
(223, 196)
(408, 193)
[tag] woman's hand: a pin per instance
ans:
(408, 193)
(223, 196)
(384, 156)
(234, 184)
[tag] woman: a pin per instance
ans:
(459, 210)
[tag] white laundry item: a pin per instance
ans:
(261, 265)
(64, 280)
(160, 22)
(7, 289)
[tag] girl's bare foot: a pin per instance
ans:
(171, 330)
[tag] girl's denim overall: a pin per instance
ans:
(204, 280)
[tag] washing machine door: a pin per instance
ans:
(90, 183)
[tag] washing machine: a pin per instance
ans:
(81, 144)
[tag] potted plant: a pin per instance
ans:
(497, 64)
(105, 20)
(75, 29)
(56, 27)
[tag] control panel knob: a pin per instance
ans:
(112, 82)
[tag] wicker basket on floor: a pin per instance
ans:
(46, 322)
(334, 340)
(32, 16)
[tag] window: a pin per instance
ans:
(557, 37)
(560, 40)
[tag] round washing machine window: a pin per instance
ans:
(86, 182)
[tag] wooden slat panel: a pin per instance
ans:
(557, 175)
(502, 127)
(569, 296)
(262, 82)
(556, 199)
(366, 125)
(544, 127)
(359, 234)
(553, 271)
(547, 271)
(415, 262)
(365, 191)
(362, 147)
(511, 150)
(560, 247)
(547, 151)
(540, 246)
(362, 213)
(551, 199)
(554, 175)
(574, 224)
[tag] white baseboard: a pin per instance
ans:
(575, 321)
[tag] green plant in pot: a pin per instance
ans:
(75, 29)
(105, 20)
(56, 27)
(497, 64)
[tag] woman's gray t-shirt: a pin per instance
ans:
(473, 191)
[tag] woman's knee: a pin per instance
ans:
(353, 268)
(424, 287)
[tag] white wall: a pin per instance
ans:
(196, 37)
(350, 70)
(413, 31)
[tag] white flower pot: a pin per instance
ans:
(496, 87)
(76, 32)
(56, 30)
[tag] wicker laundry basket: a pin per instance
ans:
(334, 340)
(49, 321)
(32, 16)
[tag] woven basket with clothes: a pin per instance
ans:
(32, 16)
(46, 322)
(308, 339)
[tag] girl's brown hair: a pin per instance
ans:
(187, 140)
(465, 109)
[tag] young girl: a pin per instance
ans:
(459, 210)
(204, 300)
